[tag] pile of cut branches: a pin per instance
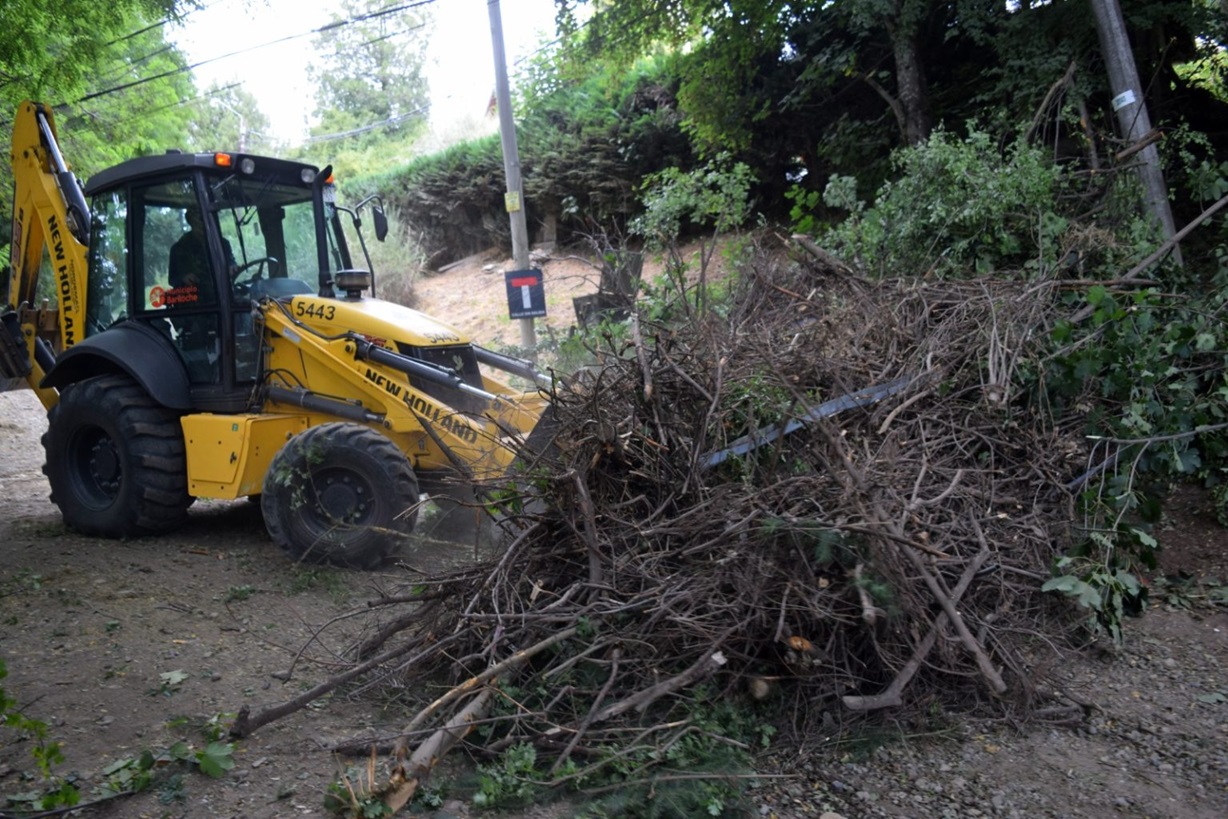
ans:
(731, 511)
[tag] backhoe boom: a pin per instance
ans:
(50, 225)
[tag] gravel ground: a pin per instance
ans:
(1152, 741)
(1148, 737)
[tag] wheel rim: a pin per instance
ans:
(343, 497)
(340, 493)
(95, 468)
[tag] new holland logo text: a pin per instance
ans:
(68, 293)
(428, 411)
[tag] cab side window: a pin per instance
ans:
(174, 269)
(107, 297)
(177, 295)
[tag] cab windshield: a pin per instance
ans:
(270, 229)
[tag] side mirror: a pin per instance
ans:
(381, 223)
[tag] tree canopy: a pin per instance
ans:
(230, 117)
(51, 48)
(815, 87)
(116, 84)
(370, 76)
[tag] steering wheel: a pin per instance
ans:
(259, 264)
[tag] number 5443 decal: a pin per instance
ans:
(313, 310)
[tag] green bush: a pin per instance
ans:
(955, 207)
(399, 260)
(584, 147)
(714, 196)
(1145, 373)
(453, 199)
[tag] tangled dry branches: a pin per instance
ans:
(886, 556)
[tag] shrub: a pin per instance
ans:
(956, 206)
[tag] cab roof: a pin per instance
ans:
(175, 162)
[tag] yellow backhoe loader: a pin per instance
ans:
(196, 328)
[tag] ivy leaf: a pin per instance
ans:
(117, 765)
(216, 759)
(170, 679)
(1065, 584)
(1144, 538)
(1214, 698)
(1087, 595)
(1128, 582)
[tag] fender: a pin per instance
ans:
(129, 347)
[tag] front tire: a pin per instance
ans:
(116, 460)
(340, 493)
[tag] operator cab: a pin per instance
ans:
(183, 244)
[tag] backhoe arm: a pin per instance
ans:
(50, 221)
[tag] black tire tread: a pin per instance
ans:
(158, 461)
(368, 549)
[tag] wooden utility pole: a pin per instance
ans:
(514, 196)
(1131, 111)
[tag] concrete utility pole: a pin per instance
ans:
(514, 197)
(1131, 111)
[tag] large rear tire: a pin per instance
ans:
(340, 493)
(116, 460)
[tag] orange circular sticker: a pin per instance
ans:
(157, 297)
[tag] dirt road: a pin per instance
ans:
(122, 646)
(132, 645)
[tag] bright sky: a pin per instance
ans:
(460, 62)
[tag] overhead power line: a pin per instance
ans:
(149, 111)
(397, 120)
(289, 38)
(326, 27)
